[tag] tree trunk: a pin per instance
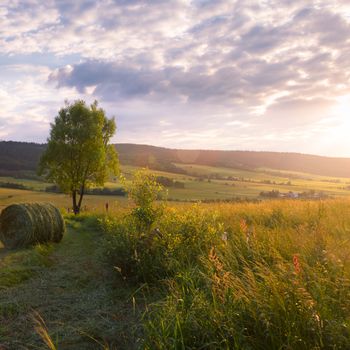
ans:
(76, 208)
(81, 195)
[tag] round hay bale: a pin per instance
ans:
(26, 224)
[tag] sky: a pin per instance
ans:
(200, 74)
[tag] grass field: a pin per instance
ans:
(203, 183)
(68, 286)
(268, 275)
(246, 183)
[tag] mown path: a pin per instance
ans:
(74, 294)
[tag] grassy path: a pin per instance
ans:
(71, 290)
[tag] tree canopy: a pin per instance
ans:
(78, 153)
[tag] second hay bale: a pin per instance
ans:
(26, 224)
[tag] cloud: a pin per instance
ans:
(220, 74)
(27, 103)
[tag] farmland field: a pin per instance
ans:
(199, 183)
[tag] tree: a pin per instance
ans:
(144, 190)
(78, 153)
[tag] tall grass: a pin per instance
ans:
(272, 275)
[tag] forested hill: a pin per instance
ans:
(19, 157)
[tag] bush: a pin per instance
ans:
(178, 240)
(129, 242)
(144, 192)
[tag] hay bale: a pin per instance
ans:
(26, 224)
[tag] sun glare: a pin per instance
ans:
(343, 106)
(338, 141)
(342, 113)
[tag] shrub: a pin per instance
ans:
(178, 240)
(144, 192)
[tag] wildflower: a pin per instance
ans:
(296, 264)
(248, 230)
(224, 236)
(243, 226)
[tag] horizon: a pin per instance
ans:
(202, 149)
(199, 75)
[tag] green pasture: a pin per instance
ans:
(247, 184)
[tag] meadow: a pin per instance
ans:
(158, 274)
(267, 275)
(200, 183)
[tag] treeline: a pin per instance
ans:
(210, 177)
(20, 174)
(168, 182)
(93, 191)
(312, 194)
(217, 200)
(165, 181)
(13, 185)
(55, 189)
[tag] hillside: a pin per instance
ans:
(19, 157)
(149, 155)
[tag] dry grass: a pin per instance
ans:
(272, 275)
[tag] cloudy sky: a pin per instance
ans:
(210, 74)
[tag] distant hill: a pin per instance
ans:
(158, 157)
(21, 157)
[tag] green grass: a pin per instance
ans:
(203, 170)
(70, 288)
(21, 265)
(247, 184)
(281, 280)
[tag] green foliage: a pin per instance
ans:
(144, 190)
(179, 240)
(130, 244)
(78, 154)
